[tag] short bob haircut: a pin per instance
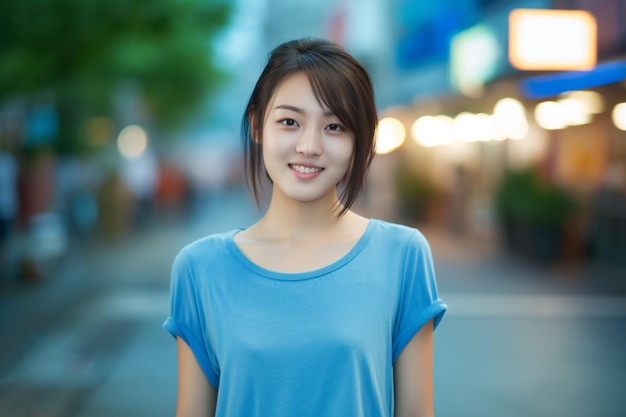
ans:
(339, 83)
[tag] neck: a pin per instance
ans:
(297, 220)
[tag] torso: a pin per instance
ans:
(269, 341)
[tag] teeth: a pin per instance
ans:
(305, 170)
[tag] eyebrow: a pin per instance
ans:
(299, 110)
(288, 107)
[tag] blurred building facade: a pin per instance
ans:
(584, 160)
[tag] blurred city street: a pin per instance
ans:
(501, 135)
(519, 339)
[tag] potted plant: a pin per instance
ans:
(415, 194)
(533, 214)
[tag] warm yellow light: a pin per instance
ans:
(432, 130)
(509, 109)
(421, 131)
(592, 100)
(510, 116)
(390, 135)
(619, 116)
(575, 111)
(541, 39)
(444, 129)
(550, 115)
(488, 128)
(132, 142)
(466, 127)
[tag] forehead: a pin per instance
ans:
(295, 89)
(292, 86)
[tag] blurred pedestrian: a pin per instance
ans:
(77, 195)
(313, 310)
(141, 176)
(8, 197)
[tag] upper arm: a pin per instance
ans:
(196, 397)
(413, 376)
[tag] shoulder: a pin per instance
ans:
(399, 235)
(209, 249)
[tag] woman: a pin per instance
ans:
(314, 310)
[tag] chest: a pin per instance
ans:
(347, 316)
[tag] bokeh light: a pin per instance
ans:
(618, 116)
(575, 111)
(432, 130)
(591, 100)
(390, 135)
(510, 116)
(550, 115)
(465, 127)
(132, 141)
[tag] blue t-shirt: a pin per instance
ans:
(318, 343)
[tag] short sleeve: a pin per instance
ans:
(419, 300)
(187, 320)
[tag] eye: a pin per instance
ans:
(335, 127)
(289, 122)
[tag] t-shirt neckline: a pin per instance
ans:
(297, 276)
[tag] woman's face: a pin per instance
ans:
(306, 150)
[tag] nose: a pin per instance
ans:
(309, 142)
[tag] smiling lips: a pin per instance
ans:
(306, 170)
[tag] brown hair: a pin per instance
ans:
(339, 82)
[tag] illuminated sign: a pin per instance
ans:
(552, 39)
(474, 57)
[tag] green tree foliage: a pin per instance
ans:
(82, 49)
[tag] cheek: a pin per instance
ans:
(344, 152)
(272, 147)
(270, 141)
(275, 151)
(349, 159)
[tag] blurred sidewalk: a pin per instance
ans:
(88, 341)
(469, 264)
(522, 339)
